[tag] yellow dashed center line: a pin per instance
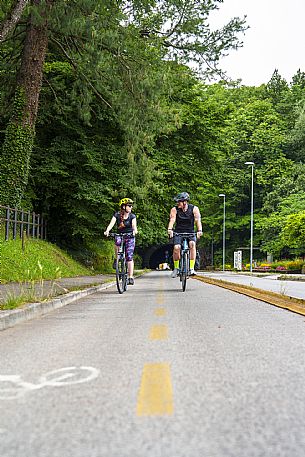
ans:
(155, 394)
(160, 298)
(160, 312)
(158, 332)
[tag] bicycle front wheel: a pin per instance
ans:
(185, 268)
(120, 275)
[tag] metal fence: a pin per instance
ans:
(18, 223)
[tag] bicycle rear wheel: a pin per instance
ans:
(120, 275)
(184, 272)
(125, 275)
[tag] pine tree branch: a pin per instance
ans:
(179, 22)
(12, 19)
(80, 72)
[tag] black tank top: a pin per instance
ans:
(185, 220)
(124, 226)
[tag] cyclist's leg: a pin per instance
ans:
(129, 250)
(130, 265)
(192, 246)
(177, 250)
(176, 258)
(117, 244)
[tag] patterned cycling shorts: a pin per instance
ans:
(130, 243)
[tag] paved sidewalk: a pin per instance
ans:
(49, 295)
(51, 288)
(292, 287)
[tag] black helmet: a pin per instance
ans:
(183, 196)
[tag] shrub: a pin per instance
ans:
(291, 265)
(102, 254)
(138, 261)
(295, 264)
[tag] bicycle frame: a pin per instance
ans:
(121, 263)
(184, 266)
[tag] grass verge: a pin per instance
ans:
(36, 261)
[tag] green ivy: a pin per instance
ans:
(15, 155)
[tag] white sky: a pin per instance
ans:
(275, 39)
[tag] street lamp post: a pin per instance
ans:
(224, 232)
(251, 229)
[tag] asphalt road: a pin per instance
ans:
(155, 372)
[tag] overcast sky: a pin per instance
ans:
(276, 39)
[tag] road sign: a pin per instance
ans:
(238, 260)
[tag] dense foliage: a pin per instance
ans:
(121, 114)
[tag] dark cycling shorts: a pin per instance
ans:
(178, 238)
(129, 246)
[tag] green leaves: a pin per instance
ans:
(293, 233)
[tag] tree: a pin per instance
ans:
(295, 141)
(12, 18)
(293, 232)
(277, 227)
(19, 136)
(99, 38)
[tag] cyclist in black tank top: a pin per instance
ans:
(126, 224)
(184, 216)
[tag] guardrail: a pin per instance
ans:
(18, 223)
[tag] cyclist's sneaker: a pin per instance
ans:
(192, 272)
(130, 281)
(175, 273)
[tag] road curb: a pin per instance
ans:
(10, 318)
(295, 305)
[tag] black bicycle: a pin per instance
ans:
(121, 268)
(184, 265)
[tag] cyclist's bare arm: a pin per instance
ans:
(197, 217)
(172, 220)
(111, 224)
(134, 226)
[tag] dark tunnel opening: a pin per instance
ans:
(155, 255)
(162, 254)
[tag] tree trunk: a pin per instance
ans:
(14, 17)
(20, 132)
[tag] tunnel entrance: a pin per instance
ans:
(158, 254)
(161, 253)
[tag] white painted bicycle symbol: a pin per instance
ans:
(12, 386)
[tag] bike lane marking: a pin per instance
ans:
(13, 387)
(160, 312)
(155, 396)
(158, 332)
(160, 298)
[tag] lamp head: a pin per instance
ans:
(249, 163)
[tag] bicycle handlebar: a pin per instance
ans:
(188, 234)
(124, 235)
